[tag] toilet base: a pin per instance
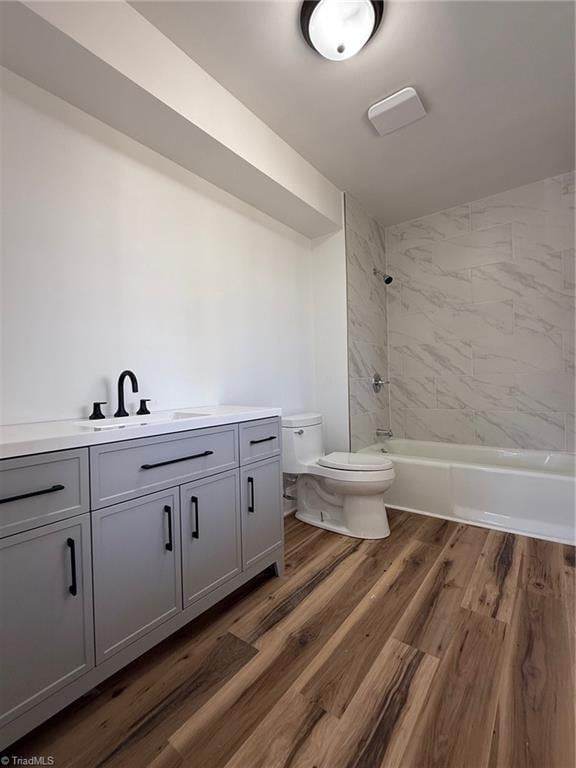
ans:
(359, 516)
(314, 519)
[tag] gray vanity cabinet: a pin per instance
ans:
(137, 569)
(211, 553)
(108, 549)
(262, 521)
(46, 625)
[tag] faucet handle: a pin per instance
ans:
(97, 410)
(143, 410)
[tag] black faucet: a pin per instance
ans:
(125, 375)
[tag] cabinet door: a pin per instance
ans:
(262, 522)
(137, 577)
(210, 514)
(46, 626)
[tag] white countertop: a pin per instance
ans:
(44, 436)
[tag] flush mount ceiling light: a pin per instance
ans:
(338, 29)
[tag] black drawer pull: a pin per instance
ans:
(263, 440)
(169, 544)
(251, 494)
(30, 494)
(175, 461)
(196, 531)
(73, 588)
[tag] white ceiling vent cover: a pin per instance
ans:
(396, 111)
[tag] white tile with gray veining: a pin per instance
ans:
(507, 391)
(397, 421)
(437, 226)
(414, 327)
(435, 359)
(367, 325)
(510, 429)
(475, 392)
(358, 221)
(453, 426)
(540, 238)
(395, 361)
(482, 322)
(414, 392)
(367, 359)
(363, 398)
(481, 318)
(523, 351)
(519, 204)
(364, 426)
(450, 289)
(520, 282)
(544, 392)
(423, 349)
(483, 246)
(569, 352)
(568, 270)
(570, 431)
(546, 315)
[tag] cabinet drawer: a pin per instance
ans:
(122, 471)
(37, 490)
(259, 440)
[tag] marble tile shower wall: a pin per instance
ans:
(481, 320)
(367, 329)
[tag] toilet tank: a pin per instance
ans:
(302, 442)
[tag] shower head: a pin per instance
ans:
(378, 272)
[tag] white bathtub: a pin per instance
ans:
(526, 492)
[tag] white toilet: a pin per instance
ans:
(342, 492)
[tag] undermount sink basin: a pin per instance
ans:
(139, 421)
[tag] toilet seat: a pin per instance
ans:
(355, 462)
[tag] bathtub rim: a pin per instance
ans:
(475, 446)
(406, 457)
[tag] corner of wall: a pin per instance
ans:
(328, 288)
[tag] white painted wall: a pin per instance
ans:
(329, 314)
(139, 82)
(114, 257)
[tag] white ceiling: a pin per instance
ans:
(497, 79)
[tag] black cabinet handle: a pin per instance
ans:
(251, 494)
(175, 461)
(73, 588)
(30, 494)
(168, 511)
(263, 440)
(196, 531)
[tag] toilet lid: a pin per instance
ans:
(358, 462)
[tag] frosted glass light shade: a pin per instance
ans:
(338, 29)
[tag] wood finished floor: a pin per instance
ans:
(444, 645)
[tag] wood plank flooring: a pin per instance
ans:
(443, 646)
